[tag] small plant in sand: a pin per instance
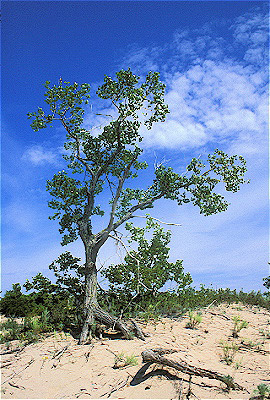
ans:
(239, 324)
(250, 344)
(238, 364)
(262, 392)
(229, 351)
(194, 320)
(121, 360)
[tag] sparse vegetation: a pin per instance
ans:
(229, 351)
(265, 333)
(121, 360)
(58, 305)
(194, 319)
(238, 326)
(262, 392)
(251, 344)
(229, 382)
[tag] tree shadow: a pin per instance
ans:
(141, 375)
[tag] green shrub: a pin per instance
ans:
(238, 326)
(121, 360)
(11, 330)
(263, 391)
(229, 351)
(194, 319)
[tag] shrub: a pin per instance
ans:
(194, 320)
(263, 391)
(121, 360)
(10, 330)
(238, 326)
(229, 351)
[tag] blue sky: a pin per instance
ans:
(212, 57)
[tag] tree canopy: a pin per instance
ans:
(110, 159)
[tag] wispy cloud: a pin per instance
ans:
(38, 155)
(216, 86)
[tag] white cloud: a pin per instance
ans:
(211, 102)
(37, 155)
(216, 86)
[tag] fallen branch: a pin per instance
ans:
(16, 350)
(252, 348)
(6, 363)
(115, 389)
(16, 386)
(219, 315)
(139, 332)
(87, 355)
(22, 369)
(157, 356)
(59, 353)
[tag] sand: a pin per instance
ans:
(56, 367)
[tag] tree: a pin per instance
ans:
(267, 282)
(146, 270)
(111, 159)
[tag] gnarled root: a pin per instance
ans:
(96, 313)
(157, 356)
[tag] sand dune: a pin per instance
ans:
(56, 367)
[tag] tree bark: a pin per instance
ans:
(90, 296)
(157, 356)
(92, 311)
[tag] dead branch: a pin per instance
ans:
(59, 353)
(16, 386)
(83, 392)
(6, 363)
(116, 388)
(157, 356)
(87, 355)
(134, 258)
(219, 315)
(17, 373)
(16, 350)
(139, 332)
(156, 219)
(256, 349)
(209, 305)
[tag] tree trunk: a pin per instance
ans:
(92, 311)
(89, 300)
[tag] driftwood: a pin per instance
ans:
(138, 332)
(106, 319)
(119, 386)
(220, 315)
(17, 373)
(116, 323)
(157, 356)
(16, 350)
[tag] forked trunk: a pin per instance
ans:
(92, 311)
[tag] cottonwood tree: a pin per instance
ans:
(145, 270)
(110, 160)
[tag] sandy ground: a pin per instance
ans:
(57, 367)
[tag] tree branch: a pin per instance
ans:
(136, 207)
(134, 258)
(119, 189)
(156, 219)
